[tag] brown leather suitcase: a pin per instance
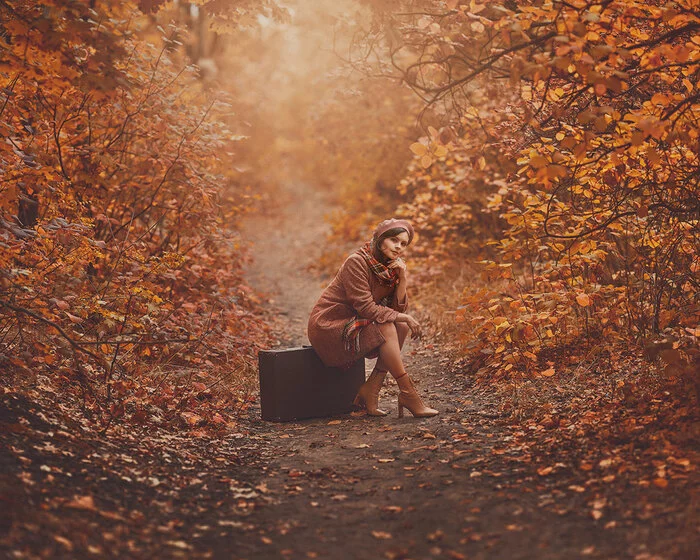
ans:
(294, 384)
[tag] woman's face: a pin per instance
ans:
(393, 247)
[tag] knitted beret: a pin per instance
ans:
(391, 223)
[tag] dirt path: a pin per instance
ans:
(465, 484)
(285, 242)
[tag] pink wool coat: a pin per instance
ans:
(355, 290)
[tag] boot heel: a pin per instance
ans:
(400, 411)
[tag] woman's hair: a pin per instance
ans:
(378, 242)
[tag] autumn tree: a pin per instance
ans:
(578, 124)
(120, 268)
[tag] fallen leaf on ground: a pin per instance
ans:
(392, 509)
(62, 540)
(436, 535)
(82, 502)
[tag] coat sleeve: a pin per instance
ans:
(355, 279)
(400, 306)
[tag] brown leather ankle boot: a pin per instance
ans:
(409, 398)
(369, 393)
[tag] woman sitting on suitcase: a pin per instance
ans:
(362, 314)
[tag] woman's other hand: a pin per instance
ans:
(416, 331)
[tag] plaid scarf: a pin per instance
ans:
(388, 277)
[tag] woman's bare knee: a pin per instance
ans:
(402, 330)
(388, 330)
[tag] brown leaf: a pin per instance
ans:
(392, 509)
(74, 319)
(63, 541)
(436, 535)
(82, 502)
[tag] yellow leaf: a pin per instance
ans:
(419, 149)
(538, 161)
(583, 300)
(440, 151)
(548, 372)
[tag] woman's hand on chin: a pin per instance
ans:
(400, 266)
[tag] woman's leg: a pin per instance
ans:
(390, 351)
(402, 331)
(368, 393)
(390, 354)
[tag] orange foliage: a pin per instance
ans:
(567, 134)
(120, 269)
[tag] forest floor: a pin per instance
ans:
(548, 469)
